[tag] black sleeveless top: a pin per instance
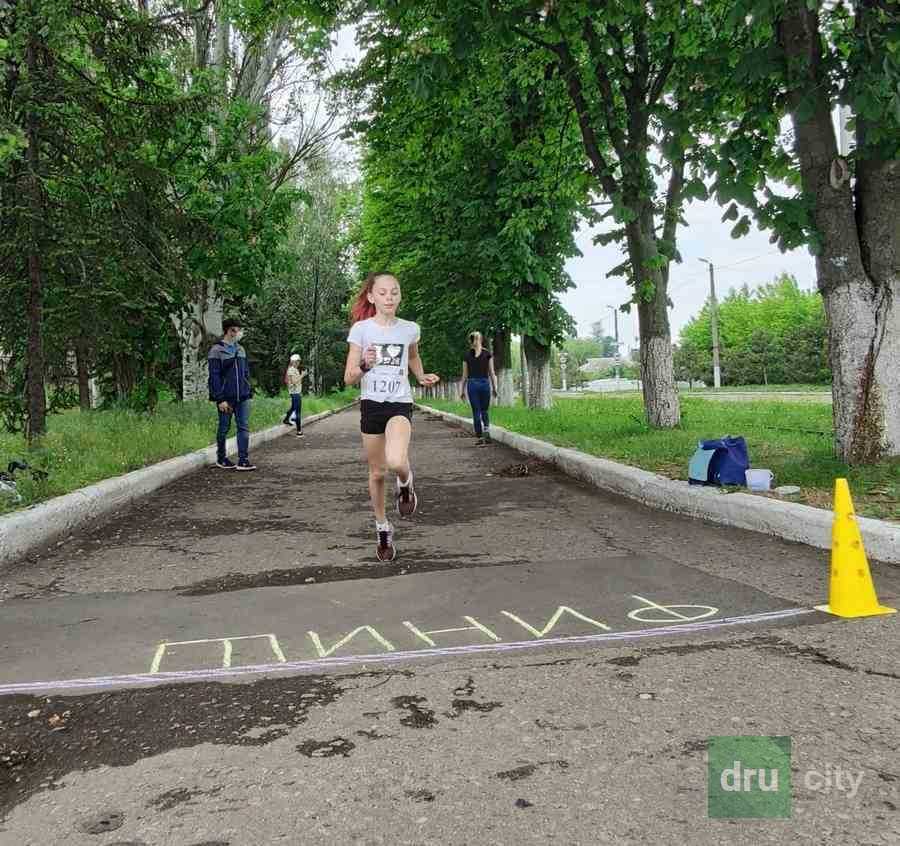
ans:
(478, 367)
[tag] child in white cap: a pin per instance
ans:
(294, 380)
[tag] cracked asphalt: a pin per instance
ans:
(595, 743)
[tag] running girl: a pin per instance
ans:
(383, 350)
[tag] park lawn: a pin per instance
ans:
(766, 389)
(82, 448)
(793, 440)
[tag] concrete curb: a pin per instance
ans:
(788, 520)
(33, 528)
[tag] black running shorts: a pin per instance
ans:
(375, 415)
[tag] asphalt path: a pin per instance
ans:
(226, 662)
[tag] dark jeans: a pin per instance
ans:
(296, 402)
(241, 414)
(480, 398)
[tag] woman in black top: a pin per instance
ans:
(479, 378)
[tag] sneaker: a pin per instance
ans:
(487, 437)
(406, 498)
(481, 442)
(244, 464)
(225, 464)
(287, 422)
(299, 434)
(386, 551)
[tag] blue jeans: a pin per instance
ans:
(480, 398)
(296, 403)
(241, 414)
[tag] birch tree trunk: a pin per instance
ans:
(200, 324)
(198, 328)
(537, 357)
(857, 266)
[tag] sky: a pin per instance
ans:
(751, 260)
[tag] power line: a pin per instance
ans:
(744, 261)
(685, 282)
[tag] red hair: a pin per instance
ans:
(362, 309)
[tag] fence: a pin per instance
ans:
(442, 391)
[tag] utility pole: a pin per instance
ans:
(714, 324)
(618, 358)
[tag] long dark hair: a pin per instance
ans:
(362, 309)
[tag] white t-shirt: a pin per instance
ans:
(388, 380)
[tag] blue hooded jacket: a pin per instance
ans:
(229, 374)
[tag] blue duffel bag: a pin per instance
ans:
(723, 461)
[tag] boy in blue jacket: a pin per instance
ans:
(229, 389)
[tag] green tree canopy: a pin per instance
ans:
(774, 333)
(474, 209)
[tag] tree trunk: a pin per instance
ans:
(503, 367)
(857, 263)
(657, 366)
(537, 356)
(123, 375)
(84, 374)
(222, 49)
(198, 328)
(150, 378)
(314, 364)
(37, 399)
(201, 324)
(523, 371)
(878, 214)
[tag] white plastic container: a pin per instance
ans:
(759, 480)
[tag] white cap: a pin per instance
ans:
(295, 357)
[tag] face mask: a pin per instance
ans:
(238, 336)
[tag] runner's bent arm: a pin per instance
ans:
(416, 368)
(493, 376)
(353, 371)
(465, 376)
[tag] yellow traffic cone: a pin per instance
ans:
(851, 593)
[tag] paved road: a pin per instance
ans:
(542, 662)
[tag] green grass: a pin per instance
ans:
(793, 440)
(768, 389)
(81, 448)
